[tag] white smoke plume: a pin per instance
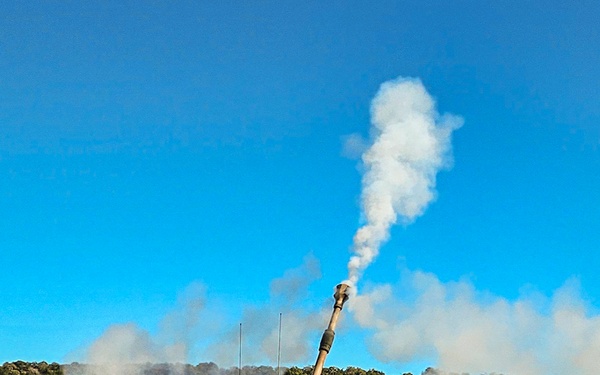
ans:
(410, 144)
(464, 330)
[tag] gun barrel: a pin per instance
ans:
(340, 296)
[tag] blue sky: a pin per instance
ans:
(145, 147)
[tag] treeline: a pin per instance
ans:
(30, 368)
(210, 368)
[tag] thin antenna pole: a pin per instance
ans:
(279, 348)
(240, 358)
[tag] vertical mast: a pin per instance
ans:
(279, 348)
(240, 357)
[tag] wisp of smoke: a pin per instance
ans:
(410, 144)
(260, 328)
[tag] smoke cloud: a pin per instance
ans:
(469, 331)
(123, 346)
(192, 330)
(450, 325)
(410, 144)
(260, 323)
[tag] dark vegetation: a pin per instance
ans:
(43, 368)
(33, 368)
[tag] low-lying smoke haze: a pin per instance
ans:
(465, 330)
(450, 325)
(410, 144)
(190, 330)
(122, 345)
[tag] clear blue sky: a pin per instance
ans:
(146, 146)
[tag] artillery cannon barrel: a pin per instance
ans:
(340, 296)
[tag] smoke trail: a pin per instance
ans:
(410, 144)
